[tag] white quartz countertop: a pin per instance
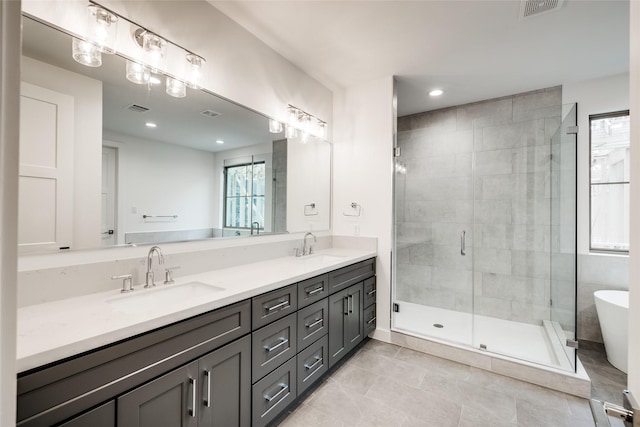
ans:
(56, 330)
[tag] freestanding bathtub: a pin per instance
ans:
(613, 314)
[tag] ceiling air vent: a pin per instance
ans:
(210, 113)
(137, 108)
(529, 8)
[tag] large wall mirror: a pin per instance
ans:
(106, 162)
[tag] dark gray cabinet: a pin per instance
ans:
(273, 345)
(345, 321)
(213, 390)
(102, 416)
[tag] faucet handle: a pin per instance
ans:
(127, 282)
(298, 252)
(168, 275)
(310, 249)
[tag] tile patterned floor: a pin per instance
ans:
(387, 385)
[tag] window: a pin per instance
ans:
(609, 134)
(244, 195)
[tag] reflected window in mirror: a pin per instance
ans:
(245, 196)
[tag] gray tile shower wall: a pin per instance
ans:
(484, 168)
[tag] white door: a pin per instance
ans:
(108, 229)
(45, 198)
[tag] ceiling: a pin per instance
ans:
(473, 50)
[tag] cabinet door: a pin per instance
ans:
(337, 320)
(102, 416)
(169, 401)
(354, 325)
(226, 386)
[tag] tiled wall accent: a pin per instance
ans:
(484, 168)
(597, 272)
(279, 164)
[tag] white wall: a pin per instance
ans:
(363, 170)
(633, 379)
(596, 271)
(87, 94)
(9, 141)
(163, 179)
(239, 66)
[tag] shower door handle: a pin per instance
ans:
(463, 243)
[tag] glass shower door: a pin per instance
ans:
(433, 209)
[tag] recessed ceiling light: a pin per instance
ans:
(436, 92)
(155, 81)
(150, 125)
(219, 141)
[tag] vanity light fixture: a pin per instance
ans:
(151, 125)
(193, 75)
(102, 28)
(308, 124)
(436, 92)
(275, 126)
(86, 53)
(154, 49)
(138, 73)
(176, 88)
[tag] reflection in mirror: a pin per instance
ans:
(104, 161)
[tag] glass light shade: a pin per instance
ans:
(322, 130)
(137, 73)
(194, 70)
(176, 88)
(86, 53)
(103, 28)
(275, 126)
(155, 51)
(292, 116)
(291, 132)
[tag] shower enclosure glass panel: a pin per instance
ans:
(434, 232)
(485, 217)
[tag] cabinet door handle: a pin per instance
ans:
(346, 312)
(373, 319)
(207, 400)
(463, 242)
(315, 291)
(282, 342)
(282, 390)
(277, 306)
(192, 386)
(309, 367)
(371, 293)
(311, 325)
(351, 305)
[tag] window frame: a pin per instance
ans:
(250, 197)
(619, 113)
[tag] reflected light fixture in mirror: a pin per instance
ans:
(137, 73)
(102, 28)
(275, 126)
(176, 88)
(194, 70)
(86, 53)
(291, 132)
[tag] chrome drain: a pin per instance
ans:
(438, 325)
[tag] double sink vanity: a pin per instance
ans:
(230, 347)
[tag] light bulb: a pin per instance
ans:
(176, 88)
(86, 53)
(137, 73)
(155, 50)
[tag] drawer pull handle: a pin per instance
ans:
(350, 306)
(284, 388)
(277, 306)
(309, 367)
(311, 325)
(192, 385)
(315, 291)
(373, 319)
(207, 400)
(372, 292)
(282, 342)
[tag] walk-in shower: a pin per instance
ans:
(485, 227)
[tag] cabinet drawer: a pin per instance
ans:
(312, 290)
(274, 393)
(312, 363)
(369, 319)
(67, 388)
(274, 305)
(347, 276)
(272, 345)
(313, 322)
(369, 291)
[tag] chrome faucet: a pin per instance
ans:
(255, 225)
(150, 282)
(304, 244)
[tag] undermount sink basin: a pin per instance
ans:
(143, 299)
(321, 258)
